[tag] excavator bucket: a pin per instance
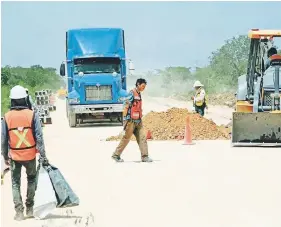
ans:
(256, 129)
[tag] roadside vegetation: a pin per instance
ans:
(220, 76)
(34, 78)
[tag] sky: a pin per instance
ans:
(158, 34)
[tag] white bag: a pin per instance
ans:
(45, 200)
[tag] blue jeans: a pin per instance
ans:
(200, 110)
(30, 167)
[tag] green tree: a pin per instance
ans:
(34, 78)
(221, 75)
(5, 75)
(230, 61)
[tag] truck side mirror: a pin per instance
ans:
(131, 67)
(62, 69)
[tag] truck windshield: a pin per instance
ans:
(97, 68)
(97, 65)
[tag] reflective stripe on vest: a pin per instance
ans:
(21, 141)
(21, 138)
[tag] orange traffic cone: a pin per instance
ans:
(148, 135)
(187, 133)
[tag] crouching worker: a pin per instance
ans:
(199, 101)
(21, 139)
(133, 123)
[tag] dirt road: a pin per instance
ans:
(209, 184)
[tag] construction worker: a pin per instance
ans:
(271, 54)
(199, 100)
(21, 139)
(133, 123)
(29, 100)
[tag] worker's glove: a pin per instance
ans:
(44, 161)
(8, 162)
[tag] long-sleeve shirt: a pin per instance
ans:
(129, 101)
(37, 133)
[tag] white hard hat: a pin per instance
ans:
(198, 84)
(18, 92)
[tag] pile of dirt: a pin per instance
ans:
(227, 129)
(170, 125)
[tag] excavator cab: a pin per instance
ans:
(257, 118)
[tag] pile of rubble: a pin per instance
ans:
(170, 125)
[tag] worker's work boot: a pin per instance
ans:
(117, 158)
(19, 216)
(29, 212)
(146, 159)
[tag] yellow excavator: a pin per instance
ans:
(61, 93)
(257, 118)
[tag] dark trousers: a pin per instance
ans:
(30, 167)
(200, 110)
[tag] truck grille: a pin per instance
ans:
(98, 93)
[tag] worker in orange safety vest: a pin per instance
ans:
(21, 139)
(132, 115)
(272, 55)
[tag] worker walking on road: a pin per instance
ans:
(21, 138)
(133, 123)
(199, 100)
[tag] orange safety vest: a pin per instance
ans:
(275, 57)
(21, 140)
(135, 108)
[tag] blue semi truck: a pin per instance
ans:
(95, 70)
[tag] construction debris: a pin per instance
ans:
(170, 125)
(45, 103)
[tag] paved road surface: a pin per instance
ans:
(209, 184)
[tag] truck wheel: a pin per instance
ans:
(120, 119)
(72, 120)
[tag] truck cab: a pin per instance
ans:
(95, 71)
